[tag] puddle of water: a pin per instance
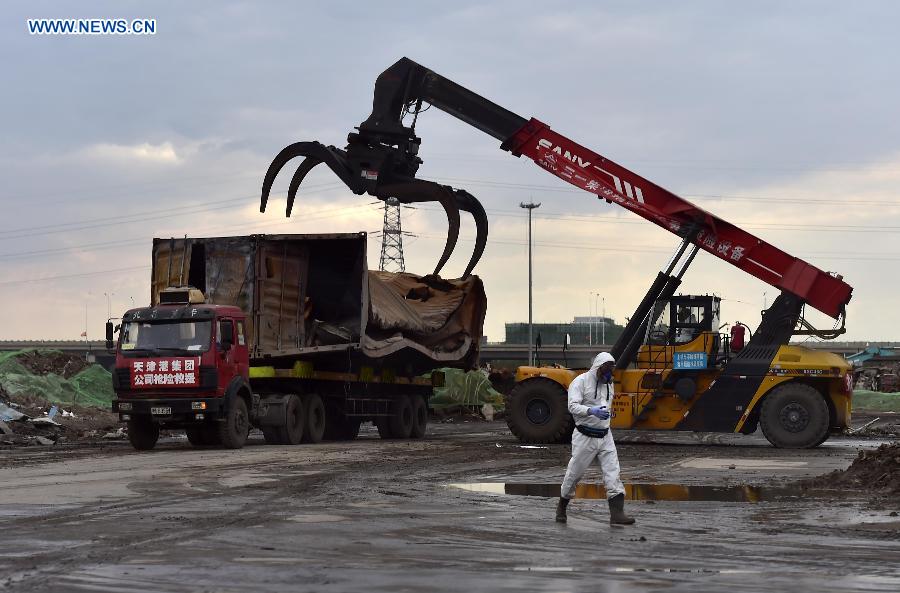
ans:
(642, 491)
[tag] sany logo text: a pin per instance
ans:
(623, 187)
(544, 143)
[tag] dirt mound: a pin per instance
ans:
(46, 362)
(875, 471)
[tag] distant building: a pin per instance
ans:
(582, 331)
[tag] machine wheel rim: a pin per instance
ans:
(794, 417)
(538, 411)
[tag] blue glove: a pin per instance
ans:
(600, 412)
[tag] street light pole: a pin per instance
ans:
(603, 320)
(590, 324)
(530, 206)
(108, 303)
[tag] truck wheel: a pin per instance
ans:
(401, 421)
(315, 419)
(143, 434)
(291, 432)
(294, 421)
(537, 412)
(795, 416)
(233, 431)
(420, 416)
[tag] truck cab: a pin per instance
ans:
(183, 364)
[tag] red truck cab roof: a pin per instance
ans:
(182, 311)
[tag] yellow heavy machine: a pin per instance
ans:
(676, 382)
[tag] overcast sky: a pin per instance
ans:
(779, 117)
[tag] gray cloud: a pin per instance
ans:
(732, 99)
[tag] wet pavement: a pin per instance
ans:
(714, 512)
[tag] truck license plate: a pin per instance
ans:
(160, 411)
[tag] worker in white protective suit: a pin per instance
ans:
(590, 402)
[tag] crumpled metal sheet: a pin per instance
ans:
(442, 319)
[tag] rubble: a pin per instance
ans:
(875, 471)
(47, 362)
(48, 396)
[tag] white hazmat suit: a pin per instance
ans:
(585, 392)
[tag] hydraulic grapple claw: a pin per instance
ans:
(365, 172)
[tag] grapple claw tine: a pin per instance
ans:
(446, 200)
(331, 156)
(305, 167)
(469, 203)
(428, 191)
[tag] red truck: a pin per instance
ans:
(288, 333)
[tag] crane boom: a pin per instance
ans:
(403, 88)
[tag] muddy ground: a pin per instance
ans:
(375, 515)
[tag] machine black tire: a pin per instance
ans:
(143, 434)
(315, 419)
(824, 438)
(420, 416)
(401, 420)
(537, 412)
(795, 416)
(233, 431)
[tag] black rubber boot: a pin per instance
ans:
(561, 509)
(617, 514)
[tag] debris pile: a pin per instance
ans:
(47, 396)
(466, 394)
(876, 471)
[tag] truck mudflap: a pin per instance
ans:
(171, 410)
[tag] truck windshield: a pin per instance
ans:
(191, 336)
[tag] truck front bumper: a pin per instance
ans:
(180, 410)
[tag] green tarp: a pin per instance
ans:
(876, 401)
(465, 388)
(90, 387)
